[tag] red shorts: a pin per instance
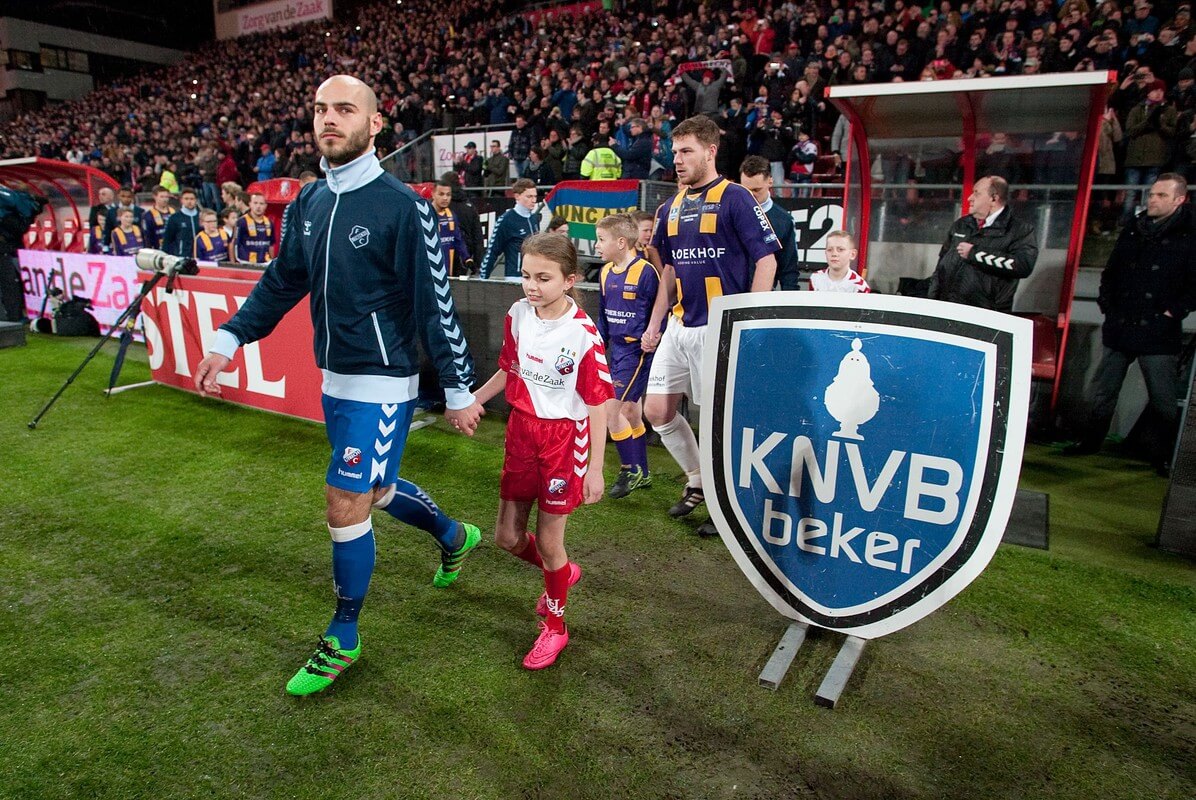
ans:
(546, 460)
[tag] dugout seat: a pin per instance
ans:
(72, 241)
(32, 238)
(48, 233)
(1045, 347)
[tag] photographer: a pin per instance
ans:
(1148, 128)
(637, 154)
(771, 139)
(18, 210)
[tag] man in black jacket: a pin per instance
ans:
(637, 155)
(986, 253)
(1146, 290)
(181, 229)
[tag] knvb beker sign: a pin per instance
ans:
(861, 453)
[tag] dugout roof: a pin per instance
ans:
(70, 188)
(1039, 131)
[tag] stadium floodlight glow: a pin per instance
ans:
(195, 81)
(193, 95)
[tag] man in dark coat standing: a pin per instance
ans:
(469, 166)
(1146, 290)
(637, 155)
(986, 253)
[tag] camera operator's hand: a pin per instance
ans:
(206, 372)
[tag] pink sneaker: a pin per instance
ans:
(548, 646)
(574, 577)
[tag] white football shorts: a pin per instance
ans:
(677, 366)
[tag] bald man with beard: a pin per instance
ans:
(367, 251)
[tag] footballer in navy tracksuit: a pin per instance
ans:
(366, 250)
(515, 225)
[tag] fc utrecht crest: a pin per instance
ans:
(861, 453)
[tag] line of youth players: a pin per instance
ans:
(231, 236)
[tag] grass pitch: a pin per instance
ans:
(164, 568)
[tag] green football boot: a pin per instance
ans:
(324, 667)
(450, 563)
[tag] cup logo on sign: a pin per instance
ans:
(862, 533)
(851, 398)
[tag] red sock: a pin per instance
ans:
(556, 586)
(530, 554)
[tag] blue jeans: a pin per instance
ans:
(210, 196)
(1136, 176)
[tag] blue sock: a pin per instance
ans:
(626, 450)
(412, 505)
(352, 566)
(639, 441)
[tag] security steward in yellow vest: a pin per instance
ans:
(601, 163)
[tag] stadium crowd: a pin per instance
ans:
(619, 79)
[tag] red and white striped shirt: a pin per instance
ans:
(556, 367)
(851, 283)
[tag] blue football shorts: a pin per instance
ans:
(367, 442)
(629, 368)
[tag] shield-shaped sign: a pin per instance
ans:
(861, 453)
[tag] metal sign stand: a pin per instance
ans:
(774, 671)
(837, 676)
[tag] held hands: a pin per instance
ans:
(206, 372)
(650, 340)
(592, 488)
(465, 420)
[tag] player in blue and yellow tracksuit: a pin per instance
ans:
(364, 249)
(452, 238)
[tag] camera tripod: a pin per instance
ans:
(128, 314)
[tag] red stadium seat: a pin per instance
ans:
(72, 241)
(48, 234)
(32, 239)
(1045, 347)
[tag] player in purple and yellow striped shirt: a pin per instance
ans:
(155, 218)
(211, 244)
(629, 288)
(452, 238)
(710, 236)
(254, 242)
